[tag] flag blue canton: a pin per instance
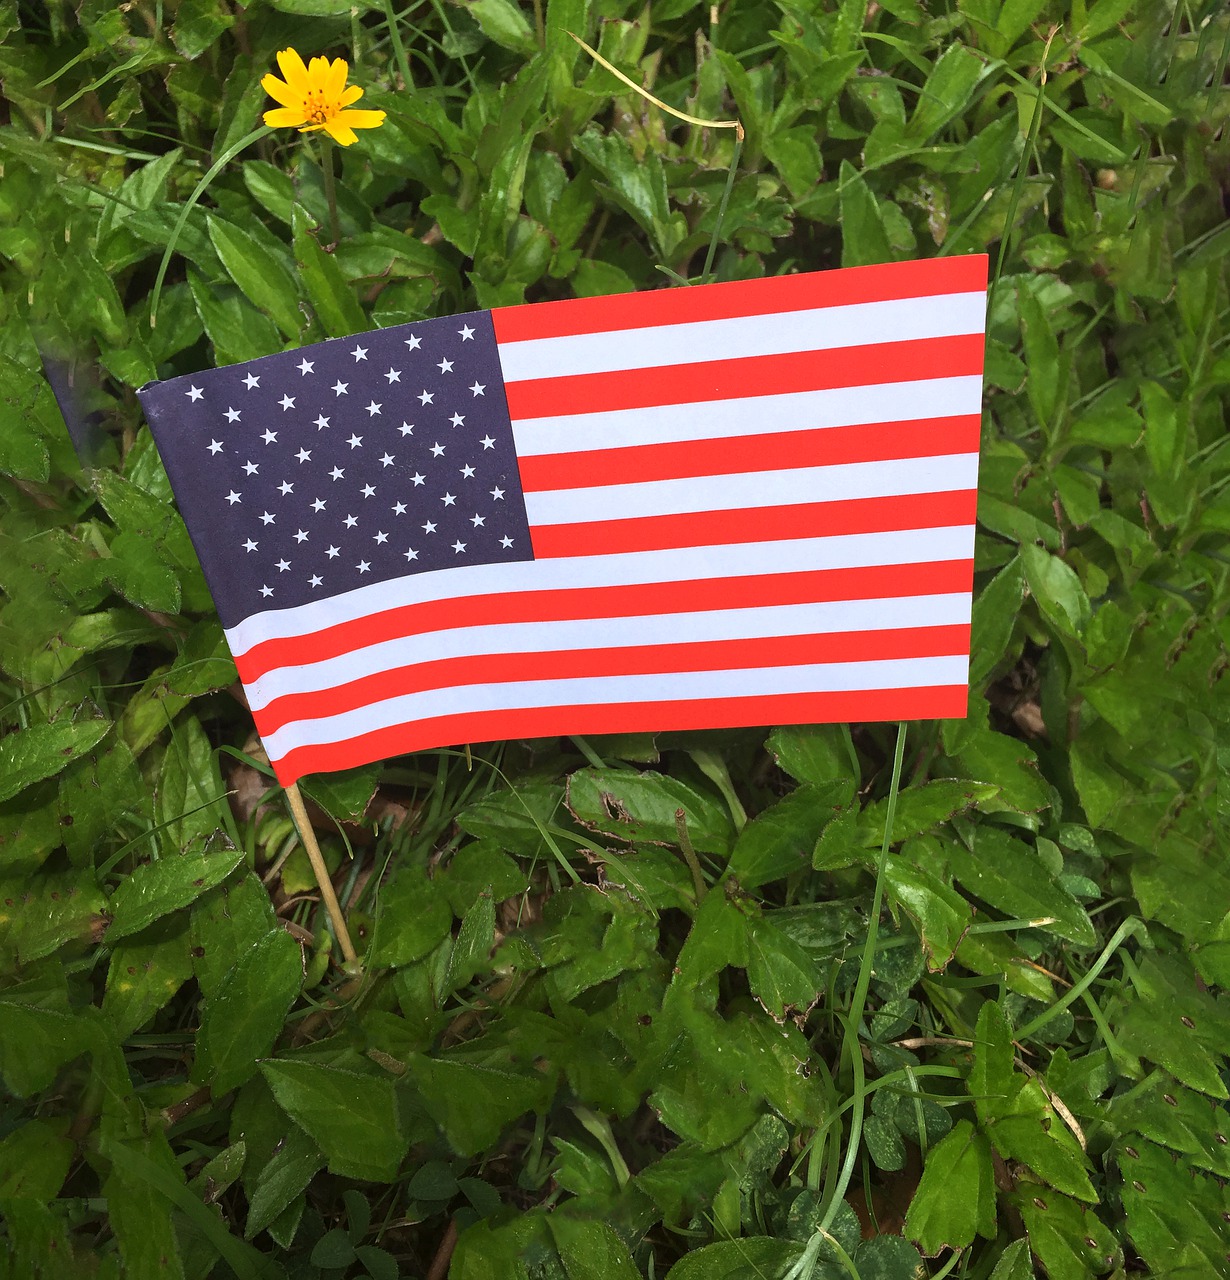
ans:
(309, 473)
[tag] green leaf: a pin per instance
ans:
(955, 1199)
(781, 974)
(35, 1159)
(941, 913)
(993, 1079)
(812, 753)
(886, 1258)
(414, 917)
(503, 22)
(344, 795)
(947, 91)
(1069, 1240)
(1058, 591)
(1010, 876)
(293, 1165)
(779, 841)
(473, 1102)
(237, 330)
(43, 750)
(353, 1117)
(636, 806)
(265, 282)
(330, 293)
(1042, 358)
(244, 1017)
(994, 617)
(155, 889)
(738, 1259)
(144, 974)
(864, 239)
(1015, 1263)
(591, 1250)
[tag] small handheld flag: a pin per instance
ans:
(732, 504)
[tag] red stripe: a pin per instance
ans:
(872, 582)
(938, 702)
(653, 659)
(755, 524)
(780, 374)
(742, 298)
(778, 450)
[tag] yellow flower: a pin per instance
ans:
(317, 97)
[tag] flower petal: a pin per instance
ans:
(318, 72)
(281, 117)
(359, 119)
(281, 92)
(352, 94)
(340, 132)
(294, 71)
(335, 79)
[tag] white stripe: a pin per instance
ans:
(682, 564)
(824, 328)
(900, 673)
(755, 623)
(749, 416)
(890, 479)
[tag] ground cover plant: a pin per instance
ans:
(789, 1002)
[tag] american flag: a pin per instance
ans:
(732, 504)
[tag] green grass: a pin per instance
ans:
(944, 1002)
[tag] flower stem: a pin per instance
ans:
(326, 165)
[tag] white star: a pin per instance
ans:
(286, 487)
(437, 449)
(251, 467)
(339, 387)
(406, 428)
(315, 580)
(467, 472)
(351, 521)
(250, 381)
(304, 455)
(332, 553)
(426, 398)
(457, 420)
(448, 499)
(301, 536)
(381, 537)
(194, 394)
(478, 389)
(232, 497)
(355, 441)
(429, 527)
(411, 554)
(363, 566)
(477, 521)
(266, 591)
(445, 366)
(413, 342)
(287, 402)
(466, 333)
(318, 505)
(215, 446)
(232, 415)
(373, 409)
(269, 436)
(506, 541)
(283, 565)
(418, 479)
(321, 422)
(359, 353)
(393, 376)
(487, 442)
(386, 459)
(497, 493)
(337, 473)
(459, 546)
(266, 518)
(306, 365)
(368, 491)
(399, 509)
(250, 545)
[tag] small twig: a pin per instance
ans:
(295, 799)
(186, 1106)
(689, 854)
(444, 1254)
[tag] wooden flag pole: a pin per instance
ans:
(298, 811)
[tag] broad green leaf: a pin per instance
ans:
(43, 750)
(812, 753)
(293, 1165)
(738, 1259)
(779, 840)
(244, 1017)
(1015, 1263)
(1068, 1239)
(332, 296)
(35, 1159)
(226, 923)
(144, 974)
(237, 329)
(886, 1258)
(941, 913)
(1037, 1137)
(636, 806)
(473, 1102)
(955, 1199)
(591, 1250)
(1009, 875)
(781, 974)
(414, 917)
(155, 889)
(1175, 1215)
(947, 91)
(1058, 591)
(994, 617)
(1041, 356)
(264, 281)
(993, 1080)
(40, 915)
(353, 1117)
(864, 239)
(503, 22)
(344, 795)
